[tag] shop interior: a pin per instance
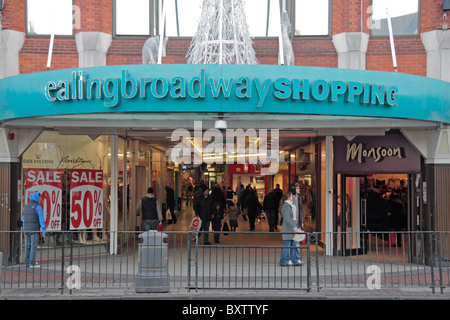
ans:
(371, 202)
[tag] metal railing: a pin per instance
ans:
(242, 260)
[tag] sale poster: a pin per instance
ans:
(48, 182)
(86, 199)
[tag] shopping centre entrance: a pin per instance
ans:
(175, 154)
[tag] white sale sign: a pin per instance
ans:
(86, 199)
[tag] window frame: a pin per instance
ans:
(154, 7)
(153, 22)
(44, 35)
(291, 13)
(404, 36)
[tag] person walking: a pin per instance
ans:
(298, 202)
(202, 208)
(151, 211)
(233, 213)
(170, 200)
(216, 219)
(290, 254)
(253, 208)
(270, 206)
(32, 222)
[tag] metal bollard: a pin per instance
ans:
(153, 274)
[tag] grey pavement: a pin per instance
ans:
(129, 293)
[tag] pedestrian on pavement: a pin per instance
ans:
(298, 202)
(202, 208)
(270, 206)
(290, 254)
(216, 219)
(151, 211)
(170, 200)
(32, 222)
(233, 213)
(253, 208)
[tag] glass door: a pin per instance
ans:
(350, 214)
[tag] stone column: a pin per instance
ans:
(11, 42)
(437, 44)
(92, 48)
(351, 48)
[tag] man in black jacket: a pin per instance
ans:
(151, 211)
(253, 208)
(170, 200)
(270, 206)
(202, 208)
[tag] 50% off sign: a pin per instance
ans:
(48, 182)
(86, 199)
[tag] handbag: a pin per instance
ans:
(168, 214)
(159, 228)
(196, 223)
(300, 236)
(225, 227)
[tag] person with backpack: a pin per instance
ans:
(151, 211)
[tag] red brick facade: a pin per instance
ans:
(346, 17)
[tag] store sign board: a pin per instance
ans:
(225, 88)
(113, 90)
(390, 153)
(86, 199)
(48, 182)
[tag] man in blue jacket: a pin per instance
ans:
(32, 222)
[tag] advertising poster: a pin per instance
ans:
(86, 199)
(48, 182)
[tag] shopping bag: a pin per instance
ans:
(304, 239)
(159, 228)
(225, 228)
(393, 239)
(300, 237)
(168, 215)
(196, 223)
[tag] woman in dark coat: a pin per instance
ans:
(216, 219)
(253, 208)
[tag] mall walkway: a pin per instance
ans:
(187, 213)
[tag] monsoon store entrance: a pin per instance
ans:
(378, 183)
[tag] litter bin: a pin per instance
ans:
(153, 274)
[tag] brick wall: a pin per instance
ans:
(14, 15)
(346, 17)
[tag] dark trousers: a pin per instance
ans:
(172, 213)
(251, 220)
(271, 219)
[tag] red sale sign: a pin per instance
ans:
(86, 199)
(48, 182)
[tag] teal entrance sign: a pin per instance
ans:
(224, 88)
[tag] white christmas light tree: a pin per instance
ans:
(222, 36)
